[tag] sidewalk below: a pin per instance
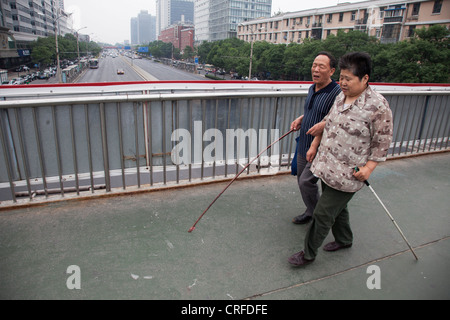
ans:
(137, 246)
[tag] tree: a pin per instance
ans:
(203, 51)
(188, 53)
(161, 49)
(272, 60)
(43, 50)
(42, 55)
(423, 58)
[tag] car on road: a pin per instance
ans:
(17, 81)
(43, 75)
(22, 68)
(120, 71)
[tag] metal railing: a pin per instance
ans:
(95, 143)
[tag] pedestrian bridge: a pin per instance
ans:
(78, 220)
(64, 141)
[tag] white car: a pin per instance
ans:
(17, 81)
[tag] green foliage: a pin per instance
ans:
(188, 53)
(160, 49)
(43, 50)
(424, 58)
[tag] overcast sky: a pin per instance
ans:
(109, 20)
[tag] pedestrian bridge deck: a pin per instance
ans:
(137, 246)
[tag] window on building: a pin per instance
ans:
(341, 16)
(330, 18)
(11, 43)
(353, 18)
(391, 31)
(378, 33)
(416, 8)
(411, 31)
(437, 7)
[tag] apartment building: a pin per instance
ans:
(388, 20)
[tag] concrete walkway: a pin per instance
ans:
(137, 246)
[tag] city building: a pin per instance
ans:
(388, 20)
(170, 12)
(143, 28)
(134, 31)
(218, 19)
(180, 35)
(146, 27)
(24, 21)
(201, 19)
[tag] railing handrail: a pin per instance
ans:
(183, 96)
(85, 138)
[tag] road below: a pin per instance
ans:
(134, 70)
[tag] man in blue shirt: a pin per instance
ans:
(320, 98)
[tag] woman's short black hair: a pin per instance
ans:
(359, 63)
(333, 61)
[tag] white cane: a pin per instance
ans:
(390, 216)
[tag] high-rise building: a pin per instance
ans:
(169, 12)
(218, 19)
(23, 21)
(143, 28)
(146, 27)
(182, 11)
(33, 18)
(201, 20)
(60, 4)
(134, 30)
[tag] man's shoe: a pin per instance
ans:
(299, 259)
(334, 246)
(302, 219)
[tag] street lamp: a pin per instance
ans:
(251, 51)
(55, 21)
(78, 44)
(58, 68)
(251, 58)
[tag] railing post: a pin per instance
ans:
(105, 147)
